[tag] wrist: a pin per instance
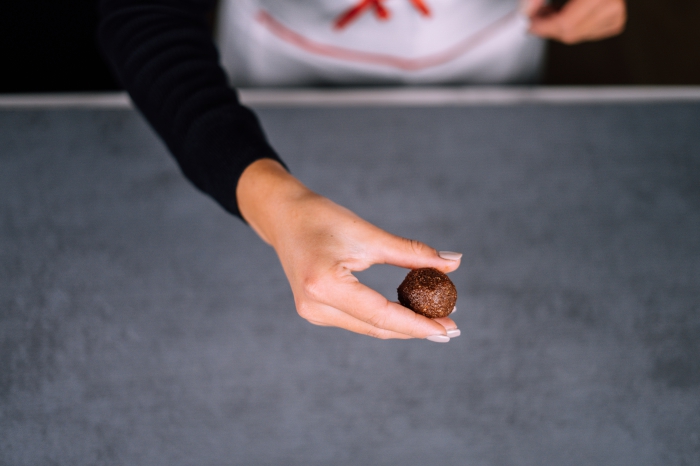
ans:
(265, 193)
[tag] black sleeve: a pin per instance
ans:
(164, 55)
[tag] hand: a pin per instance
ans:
(320, 244)
(578, 20)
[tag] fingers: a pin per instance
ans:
(336, 318)
(370, 307)
(412, 254)
(531, 7)
(446, 322)
(356, 307)
(322, 243)
(580, 20)
(336, 298)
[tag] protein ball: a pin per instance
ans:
(428, 292)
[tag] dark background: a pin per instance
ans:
(51, 47)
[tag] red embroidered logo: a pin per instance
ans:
(380, 11)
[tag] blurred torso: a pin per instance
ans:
(298, 42)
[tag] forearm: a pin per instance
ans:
(266, 195)
(163, 54)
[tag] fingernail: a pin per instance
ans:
(438, 338)
(453, 309)
(455, 332)
(450, 256)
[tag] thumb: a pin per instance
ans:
(413, 254)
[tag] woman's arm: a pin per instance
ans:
(320, 244)
(164, 56)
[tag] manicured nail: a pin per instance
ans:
(455, 332)
(450, 256)
(438, 338)
(453, 309)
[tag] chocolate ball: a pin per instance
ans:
(428, 292)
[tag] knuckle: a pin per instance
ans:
(618, 14)
(313, 287)
(415, 246)
(384, 336)
(567, 31)
(374, 333)
(415, 320)
(621, 21)
(305, 311)
(377, 319)
(621, 8)
(568, 38)
(378, 333)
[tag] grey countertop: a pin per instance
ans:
(140, 324)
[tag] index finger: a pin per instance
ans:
(367, 305)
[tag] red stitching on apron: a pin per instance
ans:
(380, 11)
(409, 64)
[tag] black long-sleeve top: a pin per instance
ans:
(163, 53)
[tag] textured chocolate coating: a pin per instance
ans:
(428, 292)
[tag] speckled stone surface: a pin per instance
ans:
(141, 325)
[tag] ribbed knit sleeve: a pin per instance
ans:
(164, 55)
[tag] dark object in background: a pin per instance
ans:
(428, 292)
(660, 45)
(51, 47)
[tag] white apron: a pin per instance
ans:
(311, 42)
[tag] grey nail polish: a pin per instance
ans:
(455, 332)
(449, 255)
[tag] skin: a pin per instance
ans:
(320, 244)
(578, 20)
